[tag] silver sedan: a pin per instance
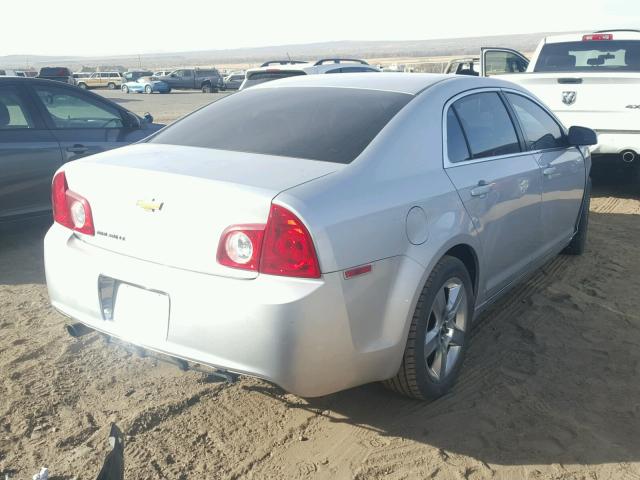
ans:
(321, 232)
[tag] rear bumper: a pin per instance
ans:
(297, 333)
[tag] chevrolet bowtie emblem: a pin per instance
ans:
(150, 206)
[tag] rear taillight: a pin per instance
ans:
(287, 246)
(70, 209)
(281, 247)
(597, 36)
(240, 246)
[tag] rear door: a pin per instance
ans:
(499, 184)
(83, 123)
(562, 167)
(29, 155)
(500, 61)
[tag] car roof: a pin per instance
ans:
(409, 83)
(577, 37)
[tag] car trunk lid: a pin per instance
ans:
(170, 204)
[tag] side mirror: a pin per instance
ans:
(581, 136)
(148, 117)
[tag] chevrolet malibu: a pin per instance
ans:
(321, 232)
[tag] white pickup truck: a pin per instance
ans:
(588, 79)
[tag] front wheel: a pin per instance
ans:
(438, 335)
(111, 86)
(125, 89)
(148, 89)
(83, 86)
(206, 88)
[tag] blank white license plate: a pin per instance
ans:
(141, 315)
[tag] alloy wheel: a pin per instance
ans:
(445, 332)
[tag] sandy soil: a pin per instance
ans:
(549, 391)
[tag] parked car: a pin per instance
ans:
(361, 223)
(275, 69)
(134, 75)
(208, 80)
(146, 85)
(586, 79)
(463, 66)
(59, 74)
(79, 75)
(110, 80)
(233, 81)
(44, 124)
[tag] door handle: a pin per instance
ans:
(549, 171)
(77, 149)
(482, 189)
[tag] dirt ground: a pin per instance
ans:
(549, 390)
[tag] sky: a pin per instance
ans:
(72, 27)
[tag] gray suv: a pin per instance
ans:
(208, 80)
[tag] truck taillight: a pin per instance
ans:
(597, 36)
(281, 247)
(69, 208)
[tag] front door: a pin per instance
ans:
(562, 167)
(499, 184)
(500, 61)
(29, 155)
(82, 124)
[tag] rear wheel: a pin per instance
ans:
(438, 334)
(148, 89)
(579, 241)
(82, 86)
(111, 86)
(206, 88)
(125, 89)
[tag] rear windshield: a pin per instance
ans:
(255, 78)
(590, 56)
(329, 124)
(54, 72)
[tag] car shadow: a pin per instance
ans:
(551, 372)
(21, 251)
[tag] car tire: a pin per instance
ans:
(168, 91)
(578, 243)
(439, 331)
(83, 86)
(148, 89)
(125, 89)
(111, 86)
(206, 88)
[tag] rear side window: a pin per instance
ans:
(487, 125)
(13, 111)
(456, 143)
(540, 129)
(328, 124)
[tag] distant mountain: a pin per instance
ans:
(362, 49)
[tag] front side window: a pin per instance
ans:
(540, 130)
(497, 62)
(328, 124)
(69, 109)
(487, 125)
(13, 111)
